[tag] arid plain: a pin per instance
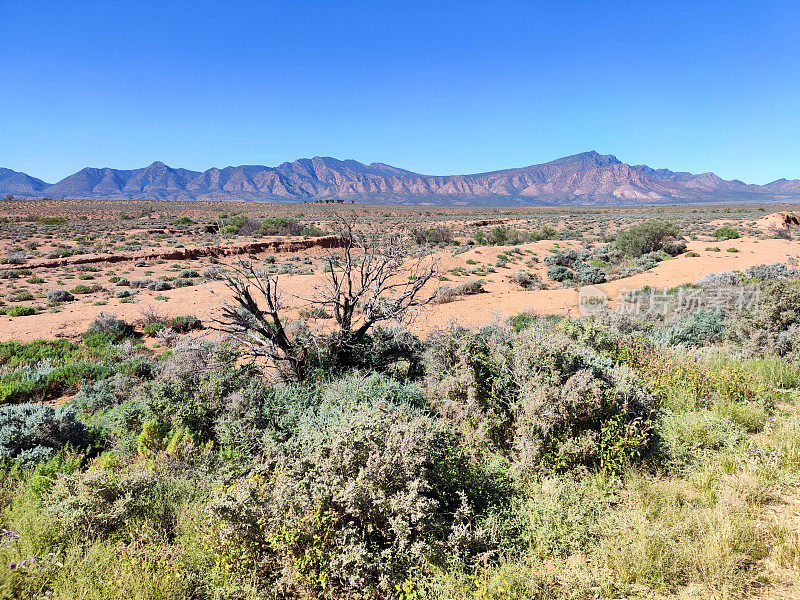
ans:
(143, 258)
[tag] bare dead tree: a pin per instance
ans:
(373, 277)
(253, 319)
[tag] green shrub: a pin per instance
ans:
(726, 233)
(575, 406)
(106, 328)
(20, 296)
(646, 237)
(589, 275)
(18, 311)
(440, 234)
(52, 220)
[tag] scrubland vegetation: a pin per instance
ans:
(540, 458)
(614, 456)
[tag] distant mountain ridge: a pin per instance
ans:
(588, 178)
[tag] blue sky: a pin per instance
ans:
(435, 87)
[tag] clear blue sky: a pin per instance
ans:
(436, 87)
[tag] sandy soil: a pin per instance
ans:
(504, 298)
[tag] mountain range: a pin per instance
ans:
(588, 178)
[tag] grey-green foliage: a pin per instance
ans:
(34, 432)
(108, 325)
(377, 480)
(54, 296)
(695, 329)
(537, 395)
(771, 325)
(589, 275)
(560, 273)
(97, 503)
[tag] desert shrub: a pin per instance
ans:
(593, 333)
(470, 382)
(546, 232)
(159, 285)
(14, 354)
(564, 258)
(99, 395)
(34, 432)
(695, 329)
(776, 270)
(646, 237)
(280, 226)
(183, 324)
(723, 279)
(440, 234)
(56, 220)
(674, 247)
(189, 274)
(15, 258)
(18, 311)
(394, 351)
(238, 225)
(590, 275)
(469, 288)
(82, 289)
(498, 236)
(47, 379)
(726, 233)
(559, 273)
(448, 293)
(540, 396)
(100, 502)
(180, 282)
(527, 280)
(773, 323)
(180, 397)
(361, 492)
(55, 296)
(317, 312)
(107, 328)
(575, 406)
(19, 296)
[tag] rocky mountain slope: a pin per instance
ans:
(586, 179)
